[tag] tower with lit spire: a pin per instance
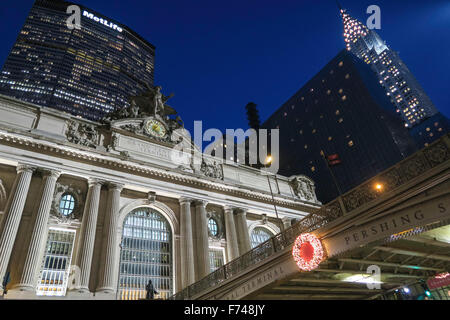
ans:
(407, 95)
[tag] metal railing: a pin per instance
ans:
(403, 172)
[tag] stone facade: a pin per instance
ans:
(109, 170)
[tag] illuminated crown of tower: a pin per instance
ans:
(353, 29)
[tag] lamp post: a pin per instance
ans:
(268, 162)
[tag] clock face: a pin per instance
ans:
(155, 128)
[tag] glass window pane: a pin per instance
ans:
(141, 255)
(260, 235)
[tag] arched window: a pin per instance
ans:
(146, 254)
(213, 227)
(260, 235)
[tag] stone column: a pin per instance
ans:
(242, 232)
(87, 234)
(186, 244)
(202, 242)
(109, 262)
(12, 216)
(230, 229)
(38, 235)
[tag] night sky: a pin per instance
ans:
(218, 55)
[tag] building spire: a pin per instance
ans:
(353, 29)
(339, 5)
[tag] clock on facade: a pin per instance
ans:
(155, 128)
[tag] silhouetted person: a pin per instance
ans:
(150, 291)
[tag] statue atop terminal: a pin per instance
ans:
(147, 114)
(152, 102)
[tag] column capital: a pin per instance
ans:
(183, 200)
(55, 174)
(200, 203)
(94, 182)
(25, 168)
(115, 186)
(241, 211)
(228, 208)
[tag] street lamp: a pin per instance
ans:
(269, 160)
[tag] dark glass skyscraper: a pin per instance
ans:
(86, 72)
(344, 113)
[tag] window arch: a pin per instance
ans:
(260, 235)
(146, 254)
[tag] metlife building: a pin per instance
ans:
(87, 72)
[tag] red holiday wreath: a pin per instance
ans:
(308, 252)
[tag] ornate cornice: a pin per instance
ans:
(114, 162)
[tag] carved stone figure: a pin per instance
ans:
(150, 106)
(134, 109)
(82, 134)
(212, 170)
(152, 102)
(304, 188)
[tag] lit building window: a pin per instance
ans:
(216, 258)
(260, 235)
(351, 144)
(341, 64)
(330, 138)
(313, 169)
(54, 274)
(213, 227)
(344, 98)
(67, 204)
(146, 255)
(347, 76)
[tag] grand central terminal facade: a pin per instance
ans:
(95, 210)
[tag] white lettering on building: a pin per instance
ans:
(102, 21)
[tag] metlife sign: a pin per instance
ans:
(102, 21)
(74, 21)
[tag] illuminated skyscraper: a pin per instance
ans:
(407, 95)
(86, 72)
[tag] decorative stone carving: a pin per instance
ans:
(437, 153)
(212, 169)
(304, 188)
(77, 212)
(147, 114)
(264, 219)
(151, 197)
(82, 133)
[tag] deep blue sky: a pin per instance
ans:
(218, 55)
